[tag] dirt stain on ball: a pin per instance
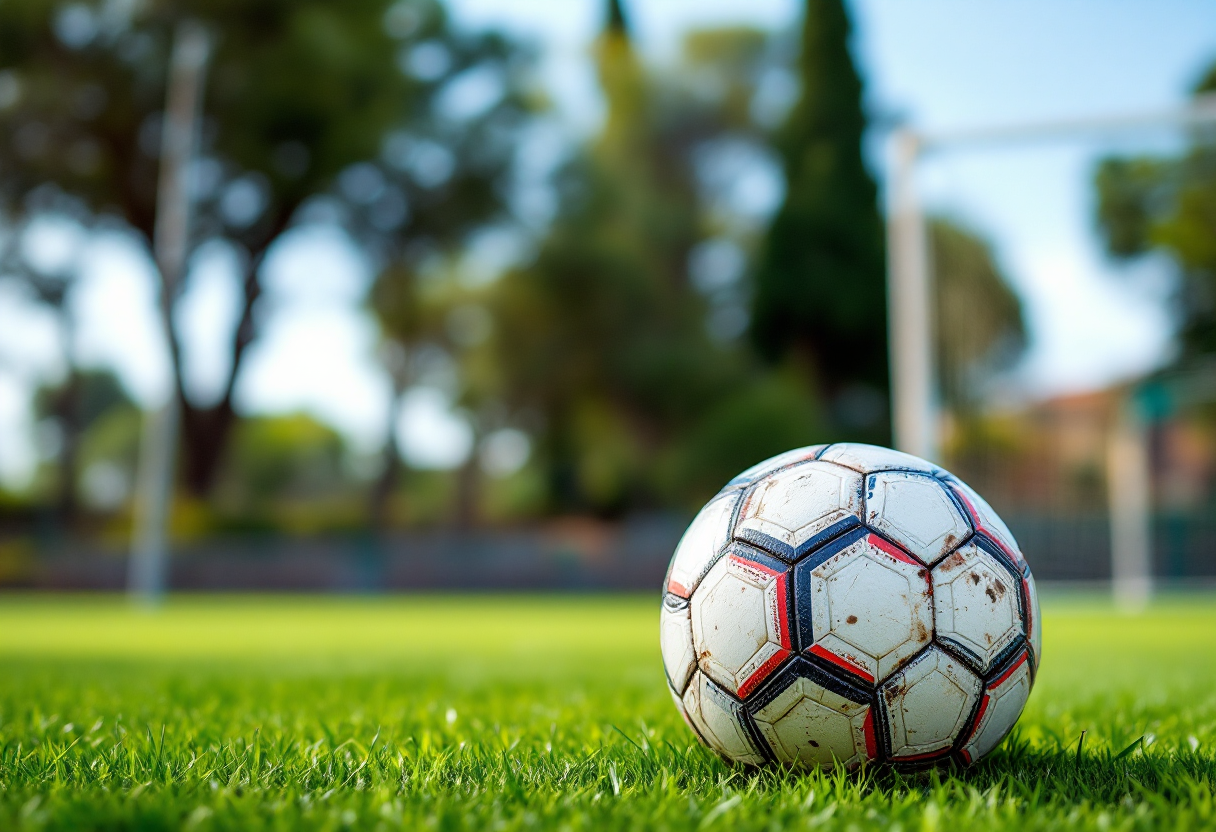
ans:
(852, 619)
(995, 591)
(954, 561)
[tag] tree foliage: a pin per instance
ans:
(82, 405)
(360, 110)
(820, 296)
(979, 323)
(604, 348)
(638, 350)
(1168, 205)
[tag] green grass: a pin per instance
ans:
(498, 712)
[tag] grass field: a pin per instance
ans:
(511, 712)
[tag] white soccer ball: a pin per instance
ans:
(847, 603)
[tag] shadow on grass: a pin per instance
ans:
(1059, 775)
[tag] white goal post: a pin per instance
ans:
(914, 403)
(171, 237)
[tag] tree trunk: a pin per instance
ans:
(468, 490)
(385, 485)
(206, 431)
(67, 412)
(373, 551)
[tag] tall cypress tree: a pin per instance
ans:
(1167, 204)
(820, 292)
(603, 336)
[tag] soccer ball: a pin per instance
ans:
(847, 603)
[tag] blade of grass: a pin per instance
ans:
(1135, 744)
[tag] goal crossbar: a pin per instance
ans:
(914, 401)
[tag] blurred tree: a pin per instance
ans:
(279, 457)
(343, 108)
(283, 474)
(771, 413)
(603, 342)
(455, 169)
(617, 347)
(68, 411)
(109, 452)
(1169, 205)
(820, 297)
(410, 314)
(980, 328)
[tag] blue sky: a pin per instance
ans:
(936, 64)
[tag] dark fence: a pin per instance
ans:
(575, 556)
(1077, 547)
(626, 556)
